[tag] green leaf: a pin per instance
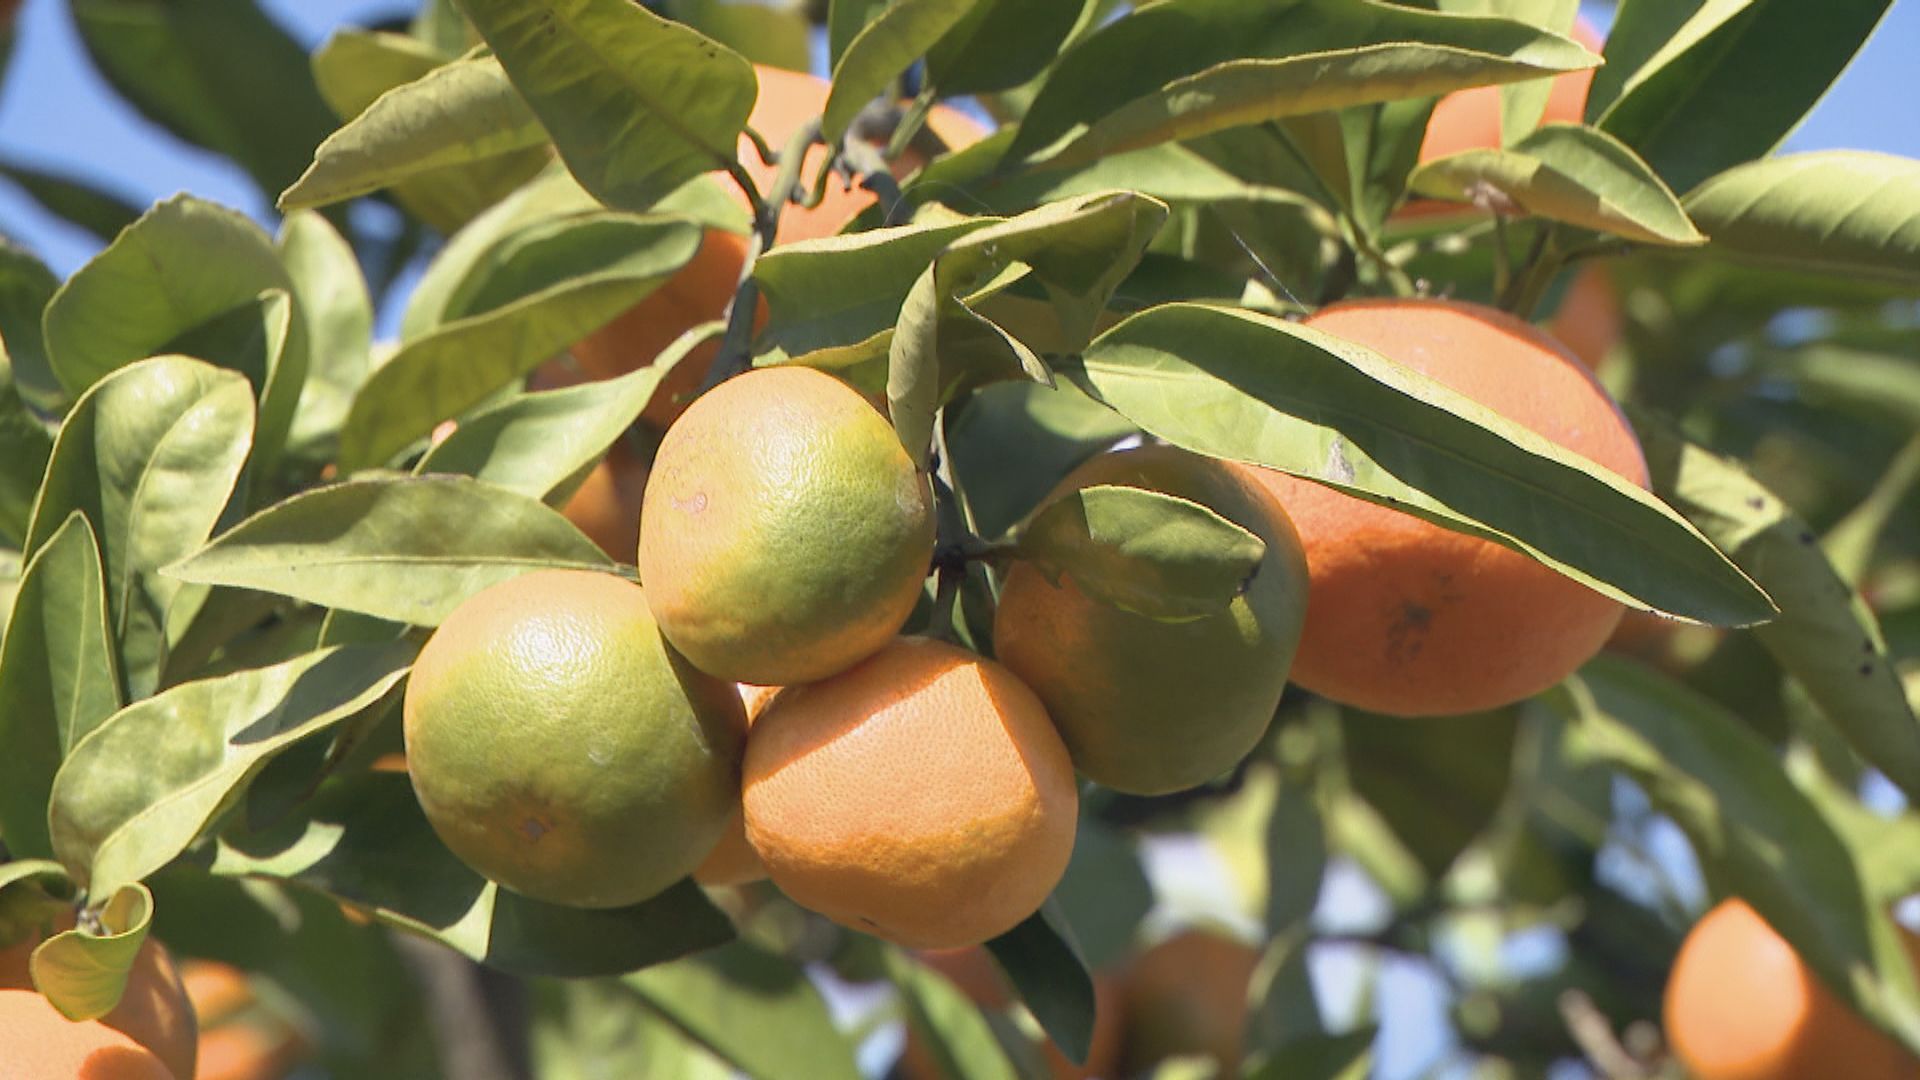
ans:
(458, 114)
(1347, 1056)
(353, 67)
(74, 200)
(265, 341)
(1757, 836)
(156, 775)
(58, 678)
(219, 73)
(952, 1028)
(845, 20)
(182, 264)
(338, 313)
(33, 893)
(886, 46)
(1012, 442)
(24, 448)
(777, 35)
(552, 284)
(1698, 87)
(1183, 68)
(1142, 551)
(1296, 850)
(637, 104)
(1852, 540)
(407, 549)
(1239, 385)
(1568, 173)
(1043, 963)
(84, 974)
(1843, 211)
(535, 444)
(702, 995)
(25, 287)
(592, 1029)
(1105, 894)
(150, 455)
(1826, 636)
(1437, 786)
(1000, 44)
(365, 840)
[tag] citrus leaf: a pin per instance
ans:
(150, 455)
(1142, 551)
(58, 678)
(183, 263)
(33, 893)
(1851, 542)
(887, 45)
(1757, 836)
(364, 840)
(1105, 894)
(536, 443)
(775, 35)
(1701, 86)
(84, 974)
(150, 780)
(353, 67)
(1011, 442)
(701, 995)
(457, 114)
(407, 549)
(1295, 845)
(1239, 385)
(73, 200)
(1347, 1056)
(25, 287)
(594, 1028)
(338, 313)
(1826, 636)
(25, 446)
(637, 104)
(1569, 173)
(1437, 787)
(1000, 44)
(955, 1033)
(1842, 211)
(1042, 961)
(555, 283)
(1168, 172)
(219, 73)
(1183, 68)
(264, 340)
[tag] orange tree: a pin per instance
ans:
(230, 520)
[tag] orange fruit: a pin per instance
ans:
(237, 1041)
(1147, 706)
(922, 796)
(560, 747)
(37, 1043)
(154, 1010)
(1740, 1005)
(1187, 996)
(606, 506)
(700, 291)
(1409, 619)
(973, 971)
(1589, 322)
(785, 533)
(733, 861)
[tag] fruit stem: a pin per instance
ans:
(1543, 261)
(759, 141)
(736, 347)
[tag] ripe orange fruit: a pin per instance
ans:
(1147, 706)
(785, 534)
(154, 1010)
(606, 506)
(237, 1040)
(733, 861)
(922, 796)
(1188, 996)
(1589, 322)
(37, 1043)
(973, 971)
(1740, 1005)
(1407, 618)
(700, 291)
(562, 749)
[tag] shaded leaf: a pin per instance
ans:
(553, 284)
(1000, 44)
(25, 287)
(1437, 786)
(1012, 442)
(636, 104)
(264, 340)
(1043, 962)
(1347, 1056)
(150, 455)
(954, 1032)
(1564, 172)
(365, 840)
(58, 678)
(1826, 636)
(1243, 386)
(774, 34)
(185, 261)
(74, 200)
(84, 974)
(338, 314)
(1843, 211)
(1142, 551)
(1176, 70)
(25, 446)
(407, 549)
(33, 893)
(1105, 894)
(1851, 542)
(890, 42)
(353, 67)
(151, 779)
(704, 995)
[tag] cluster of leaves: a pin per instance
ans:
(223, 533)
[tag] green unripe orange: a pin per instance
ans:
(560, 747)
